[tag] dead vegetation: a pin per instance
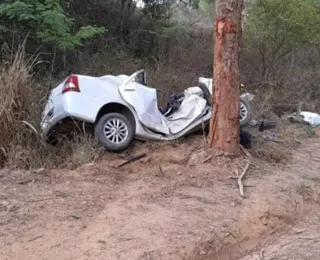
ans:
(15, 83)
(21, 104)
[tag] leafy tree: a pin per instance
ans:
(157, 9)
(47, 21)
(206, 5)
(279, 28)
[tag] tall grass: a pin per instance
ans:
(22, 101)
(15, 82)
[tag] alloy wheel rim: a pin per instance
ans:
(116, 131)
(243, 112)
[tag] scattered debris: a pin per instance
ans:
(132, 159)
(254, 123)
(75, 216)
(269, 137)
(307, 118)
(272, 138)
(263, 124)
(266, 125)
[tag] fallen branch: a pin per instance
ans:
(315, 239)
(240, 179)
(261, 255)
(35, 238)
(245, 151)
(207, 159)
(38, 200)
(133, 159)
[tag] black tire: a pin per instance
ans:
(248, 118)
(126, 126)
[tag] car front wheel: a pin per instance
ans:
(114, 131)
(245, 112)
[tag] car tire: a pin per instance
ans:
(246, 112)
(243, 105)
(114, 131)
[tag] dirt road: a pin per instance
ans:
(170, 205)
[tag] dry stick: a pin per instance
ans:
(245, 151)
(33, 239)
(38, 200)
(132, 160)
(240, 179)
(261, 256)
(161, 171)
(207, 159)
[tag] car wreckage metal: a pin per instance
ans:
(121, 108)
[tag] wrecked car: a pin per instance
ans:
(121, 108)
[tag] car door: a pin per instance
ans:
(144, 101)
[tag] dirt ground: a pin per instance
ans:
(179, 202)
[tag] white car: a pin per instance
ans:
(121, 108)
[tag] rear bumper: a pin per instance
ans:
(47, 124)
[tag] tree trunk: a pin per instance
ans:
(224, 124)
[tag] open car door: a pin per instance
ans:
(145, 102)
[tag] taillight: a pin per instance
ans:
(71, 84)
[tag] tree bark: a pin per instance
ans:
(224, 124)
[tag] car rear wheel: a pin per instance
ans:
(114, 131)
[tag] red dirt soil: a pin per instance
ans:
(177, 203)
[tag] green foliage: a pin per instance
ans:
(157, 9)
(206, 5)
(276, 29)
(47, 20)
(292, 22)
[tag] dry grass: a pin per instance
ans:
(20, 116)
(69, 154)
(15, 82)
